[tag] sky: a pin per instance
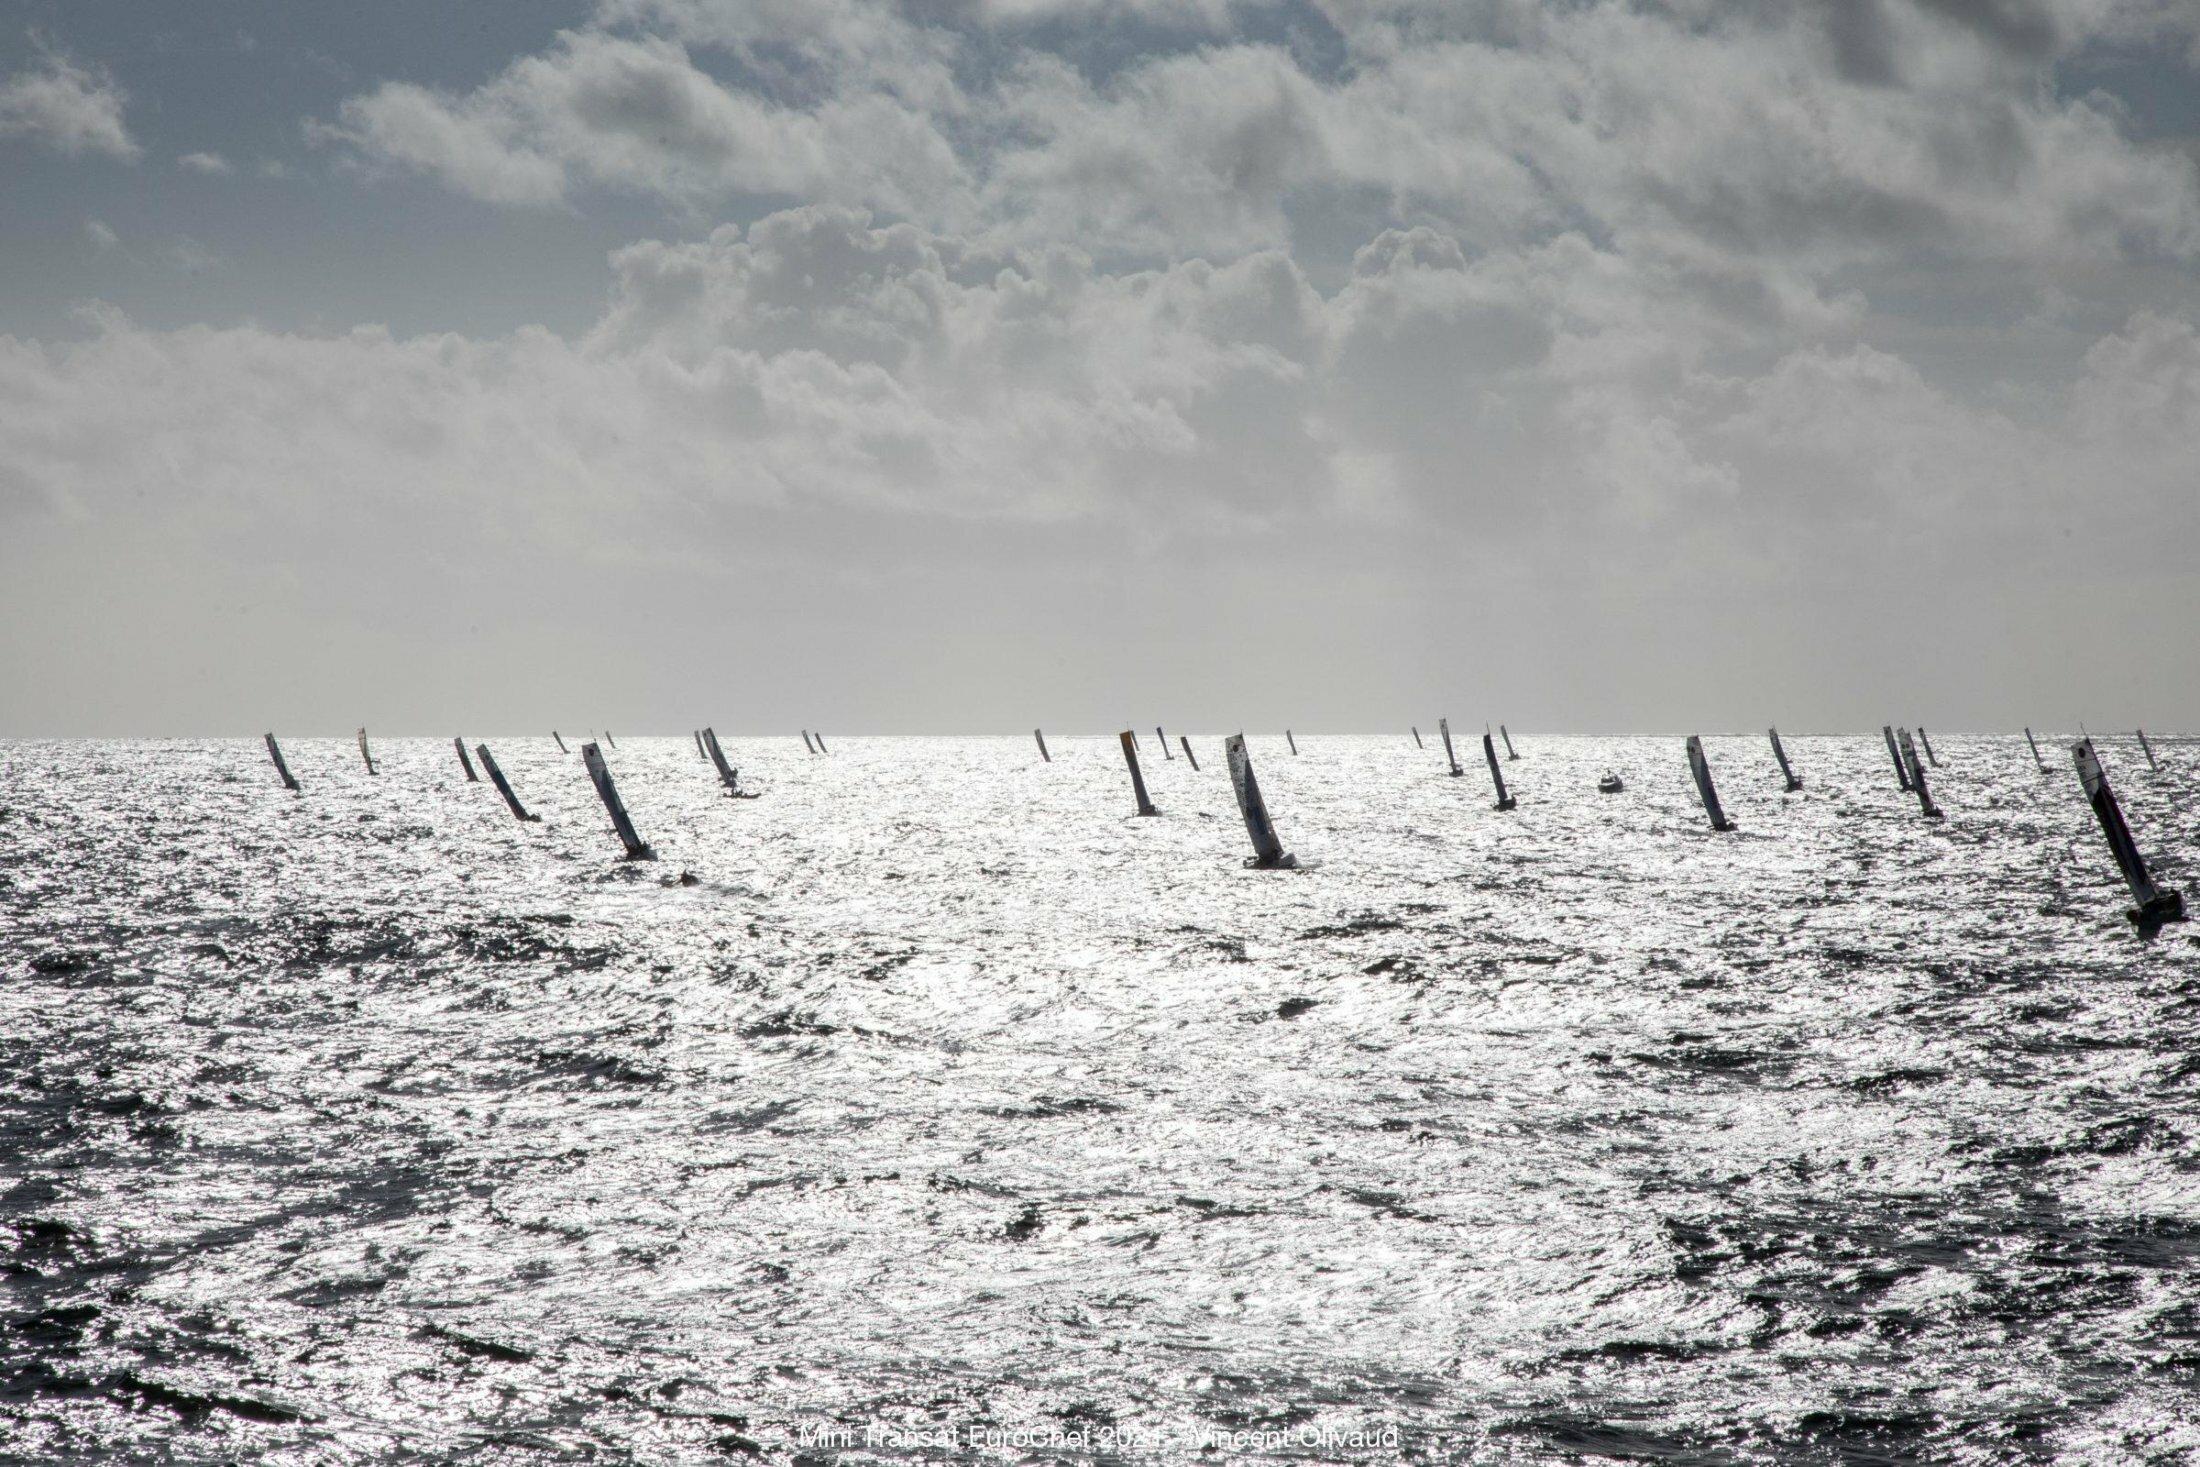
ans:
(934, 366)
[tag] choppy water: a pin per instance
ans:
(368, 1124)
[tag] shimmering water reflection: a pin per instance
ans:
(370, 1124)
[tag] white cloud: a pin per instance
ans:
(2164, 24)
(1192, 154)
(2141, 390)
(1611, 302)
(188, 256)
(68, 106)
(213, 163)
(1440, 424)
(813, 359)
(1758, 145)
(638, 114)
(101, 235)
(819, 358)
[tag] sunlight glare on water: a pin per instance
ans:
(369, 1122)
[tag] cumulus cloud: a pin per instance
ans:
(1819, 136)
(1606, 305)
(213, 163)
(637, 113)
(818, 357)
(67, 105)
(1199, 153)
(1440, 424)
(811, 359)
(2141, 389)
(2172, 25)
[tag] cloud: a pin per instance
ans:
(1192, 154)
(68, 106)
(2141, 388)
(187, 256)
(637, 114)
(1607, 306)
(1752, 140)
(813, 360)
(911, 417)
(103, 237)
(819, 358)
(213, 163)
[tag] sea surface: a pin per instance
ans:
(932, 1105)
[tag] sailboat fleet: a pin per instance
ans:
(2155, 905)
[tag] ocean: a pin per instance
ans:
(934, 1106)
